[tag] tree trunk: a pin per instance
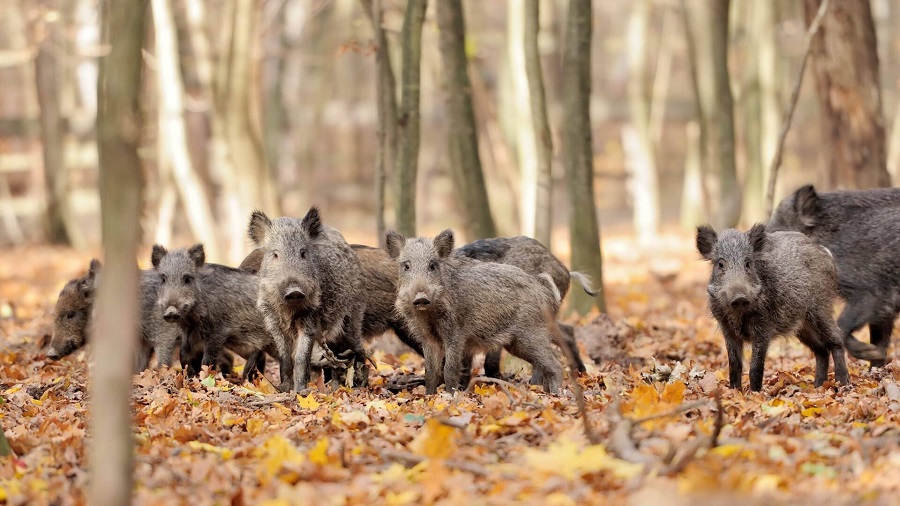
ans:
(115, 336)
(578, 155)
(250, 184)
(386, 96)
(408, 120)
(522, 123)
(642, 160)
(703, 208)
(173, 133)
(708, 22)
(465, 163)
(760, 103)
(845, 63)
(543, 206)
(48, 76)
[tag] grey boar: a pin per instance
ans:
(212, 304)
(534, 258)
(73, 314)
(861, 229)
(458, 307)
(379, 288)
(310, 290)
(765, 285)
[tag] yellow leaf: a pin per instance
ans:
(225, 453)
(485, 390)
(811, 411)
(514, 420)
(319, 453)
(401, 499)
(435, 440)
(564, 458)
(674, 393)
(254, 425)
(726, 450)
(274, 454)
(308, 402)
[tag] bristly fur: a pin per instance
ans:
(861, 229)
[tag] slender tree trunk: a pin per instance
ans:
(250, 183)
(386, 96)
(47, 73)
(465, 163)
(704, 206)
(115, 337)
(845, 63)
(642, 159)
(522, 122)
(692, 189)
(408, 119)
(578, 155)
(173, 133)
(708, 22)
(543, 207)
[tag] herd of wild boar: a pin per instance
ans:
(305, 293)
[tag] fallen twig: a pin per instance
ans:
(275, 398)
(502, 384)
(412, 459)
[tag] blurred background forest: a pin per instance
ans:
(276, 104)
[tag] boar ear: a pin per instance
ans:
(706, 239)
(394, 242)
(87, 290)
(259, 227)
(312, 222)
(443, 243)
(94, 268)
(197, 255)
(253, 261)
(757, 236)
(806, 203)
(158, 253)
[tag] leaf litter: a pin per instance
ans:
(209, 440)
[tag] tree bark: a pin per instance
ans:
(845, 63)
(250, 184)
(386, 96)
(708, 22)
(408, 120)
(465, 163)
(642, 159)
(115, 336)
(543, 206)
(173, 133)
(48, 77)
(522, 122)
(578, 155)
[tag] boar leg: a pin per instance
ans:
(434, 362)
(855, 315)
(142, 356)
(492, 364)
(758, 361)
(302, 353)
(568, 333)
(454, 352)
(735, 347)
(880, 336)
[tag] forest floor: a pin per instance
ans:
(212, 441)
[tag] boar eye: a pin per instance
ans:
(720, 264)
(432, 266)
(162, 278)
(188, 279)
(303, 253)
(70, 315)
(405, 266)
(747, 263)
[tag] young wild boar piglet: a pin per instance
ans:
(534, 258)
(309, 290)
(212, 304)
(768, 285)
(74, 312)
(861, 228)
(458, 307)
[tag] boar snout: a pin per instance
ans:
(52, 354)
(738, 299)
(421, 301)
(171, 314)
(294, 295)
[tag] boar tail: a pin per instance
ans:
(549, 281)
(585, 283)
